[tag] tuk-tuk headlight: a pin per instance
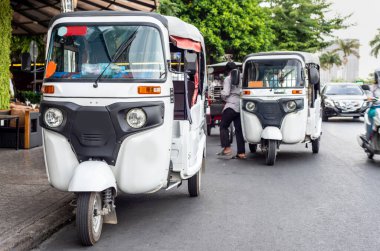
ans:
(250, 106)
(53, 117)
(136, 118)
(291, 105)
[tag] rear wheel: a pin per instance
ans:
(194, 184)
(370, 155)
(315, 145)
(325, 118)
(88, 220)
(271, 152)
(208, 130)
(252, 148)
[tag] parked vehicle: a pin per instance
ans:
(116, 115)
(280, 101)
(343, 100)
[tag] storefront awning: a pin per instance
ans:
(33, 16)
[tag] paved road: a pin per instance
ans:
(329, 201)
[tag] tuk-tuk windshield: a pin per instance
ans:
(112, 51)
(279, 73)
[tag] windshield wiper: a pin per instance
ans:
(125, 45)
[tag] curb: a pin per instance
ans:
(32, 233)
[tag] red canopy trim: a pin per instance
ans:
(185, 43)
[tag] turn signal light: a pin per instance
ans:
(297, 92)
(246, 92)
(47, 89)
(149, 90)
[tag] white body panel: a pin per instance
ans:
(189, 142)
(56, 148)
(251, 126)
(293, 127)
(92, 176)
(143, 162)
(272, 133)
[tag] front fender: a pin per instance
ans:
(271, 132)
(92, 176)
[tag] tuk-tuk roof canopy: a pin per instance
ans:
(33, 16)
(176, 27)
(306, 56)
(223, 64)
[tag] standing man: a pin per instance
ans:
(231, 112)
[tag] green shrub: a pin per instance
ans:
(5, 41)
(33, 97)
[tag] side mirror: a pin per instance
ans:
(235, 77)
(190, 62)
(366, 87)
(313, 75)
(26, 63)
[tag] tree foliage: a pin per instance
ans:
(21, 44)
(5, 40)
(375, 44)
(302, 24)
(229, 27)
(329, 59)
(348, 47)
(247, 26)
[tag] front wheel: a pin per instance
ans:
(370, 155)
(88, 219)
(315, 145)
(194, 184)
(325, 118)
(252, 148)
(271, 152)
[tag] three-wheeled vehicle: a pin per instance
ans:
(280, 101)
(215, 104)
(116, 116)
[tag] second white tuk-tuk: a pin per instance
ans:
(116, 116)
(280, 101)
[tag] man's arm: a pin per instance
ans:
(226, 88)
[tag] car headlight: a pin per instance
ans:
(329, 103)
(53, 117)
(136, 118)
(291, 105)
(250, 106)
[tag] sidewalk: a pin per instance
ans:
(30, 209)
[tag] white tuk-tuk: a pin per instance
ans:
(116, 116)
(280, 101)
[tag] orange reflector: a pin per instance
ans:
(149, 89)
(47, 89)
(296, 91)
(246, 92)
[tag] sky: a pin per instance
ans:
(366, 16)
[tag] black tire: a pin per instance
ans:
(271, 152)
(87, 204)
(370, 155)
(194, 184)
(208, 130)
(325, 118)
(315, 145)
(356, 117)
(252, 148)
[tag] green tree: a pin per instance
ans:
(348, 47)
(5, 41)
(21, 44)
(302, 24)
(329, 59)
(229, 27)
(375, 44)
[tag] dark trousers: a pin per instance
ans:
(228, 116)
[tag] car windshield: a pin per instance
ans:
(114, 52)
(343, 90)
(283, 73)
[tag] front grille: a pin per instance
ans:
(270, 111)
(215, 92)
(91, 139)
